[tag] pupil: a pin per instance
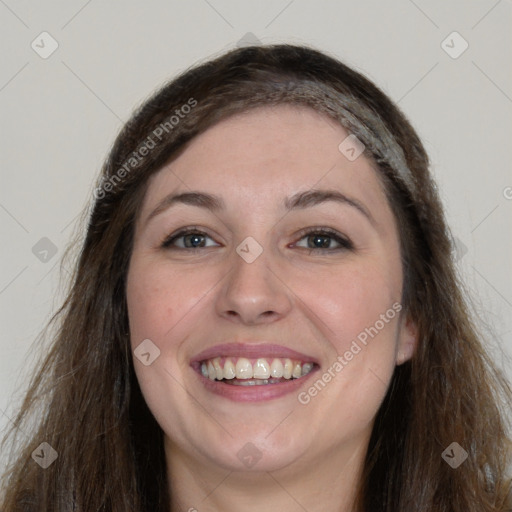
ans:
(193, 239)
(319, 238)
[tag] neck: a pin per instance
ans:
(327, 484)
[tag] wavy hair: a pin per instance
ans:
(84, 400)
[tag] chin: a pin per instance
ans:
(257, 452)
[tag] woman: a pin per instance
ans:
(265, 314)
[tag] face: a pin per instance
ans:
(274, 321)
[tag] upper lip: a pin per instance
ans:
(252, 350)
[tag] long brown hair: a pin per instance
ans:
(85, 398)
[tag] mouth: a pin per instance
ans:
(240, 371)
(253, 372)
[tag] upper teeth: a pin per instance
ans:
(261, 369)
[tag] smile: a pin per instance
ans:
(253, 371)
(242, 371)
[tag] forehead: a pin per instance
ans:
(258, 157)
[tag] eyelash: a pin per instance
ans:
(344, 243)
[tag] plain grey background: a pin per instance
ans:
(447, 64)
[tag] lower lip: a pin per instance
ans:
(254, 393)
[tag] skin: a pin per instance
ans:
(315, 302)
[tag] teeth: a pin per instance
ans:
(288, 369)
(219, 373)
(261, 369)
(211, 371)
(243, 368)
(276, 368)
(229, 369)
(306, 368)
(262, 372)
(252, 382)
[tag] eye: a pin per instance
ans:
(191, 238)
(319, 239)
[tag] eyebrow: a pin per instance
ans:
(298, 201)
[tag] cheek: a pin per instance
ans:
(353, 298)
(159, 297)
(158, 300)
(358, 308)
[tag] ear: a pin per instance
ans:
(407, 339)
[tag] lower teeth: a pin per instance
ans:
(253, 382)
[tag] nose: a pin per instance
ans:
(253, 293)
